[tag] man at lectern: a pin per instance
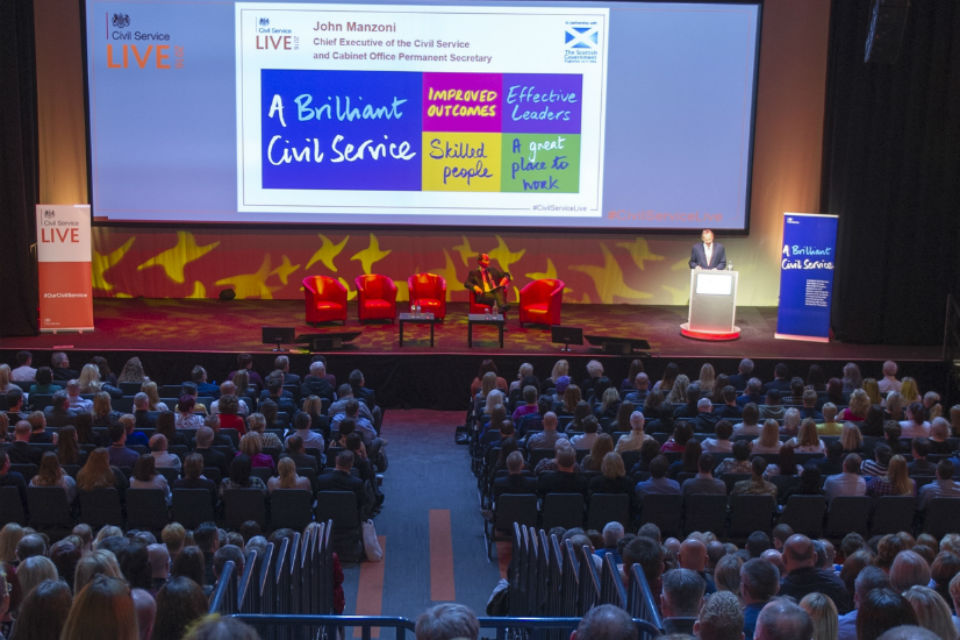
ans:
(708, 254)
(489, 284)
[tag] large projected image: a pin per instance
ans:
(564, 114)
(400, 110)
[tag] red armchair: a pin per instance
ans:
(478, 307)
(326, 299)
(376, 298)
(540, 302)
(430, 292)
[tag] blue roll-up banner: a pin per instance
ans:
(807, 260)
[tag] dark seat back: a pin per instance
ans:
(562, 510)
(290, 508)
(147, 509)
(100, 507)
(240, 505)
(191, 507)
(805, 514)
(608, 507)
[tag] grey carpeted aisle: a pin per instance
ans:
(428, 471)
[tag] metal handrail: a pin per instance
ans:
(536, 628)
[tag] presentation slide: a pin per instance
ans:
(606, 116)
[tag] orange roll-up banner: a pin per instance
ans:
(63, 257)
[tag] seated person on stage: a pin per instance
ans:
(489, 284)
(708, 254)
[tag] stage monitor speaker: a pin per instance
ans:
(277, 336)
(888, 21)
(620, 346)
(227, 294)
(566, 336)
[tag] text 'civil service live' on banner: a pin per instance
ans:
(65, 296)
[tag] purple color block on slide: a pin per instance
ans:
(446, 94)
(542, 102)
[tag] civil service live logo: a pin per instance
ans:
(581, 41)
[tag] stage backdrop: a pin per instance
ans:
(269, 263)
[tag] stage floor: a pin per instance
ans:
(212, 326)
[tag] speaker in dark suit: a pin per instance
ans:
(717, 258)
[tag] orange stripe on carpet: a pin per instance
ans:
(370, 590)
(441, 557)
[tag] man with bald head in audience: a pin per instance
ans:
(546, 439)
(693, 556)
(803, 576)
(780, 619)
(605, 622)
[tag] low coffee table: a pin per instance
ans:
(425, 317)
(493, 319)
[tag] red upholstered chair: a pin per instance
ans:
(540, 301)
(376, 298)
(430, 292)
(477, 307)
(326, 299)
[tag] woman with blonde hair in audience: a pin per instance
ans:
(858, 407)
(10, 536)
(103, 609)
(89, 379)
(560, 368)
(909, 390)
(897, 482)
(823, 613)
(34, 570)
(132, 371)
(5, 384)
(103, 413)
(97, 473)
(257, 423)
(153, 395)
(830, 425)
(609, 404)
(678, 392)
(51, 474)
(612, 478)
(931, 403)
(288, 477)
(807, 440)
(872, 389)
(932, 611)
(851, 439)
(769, 439)
(241, 380)
(488, 383)
(251, 446)
(92, 564)
(791, 422)
(635, 439)
(707, 379)
(893, 405)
